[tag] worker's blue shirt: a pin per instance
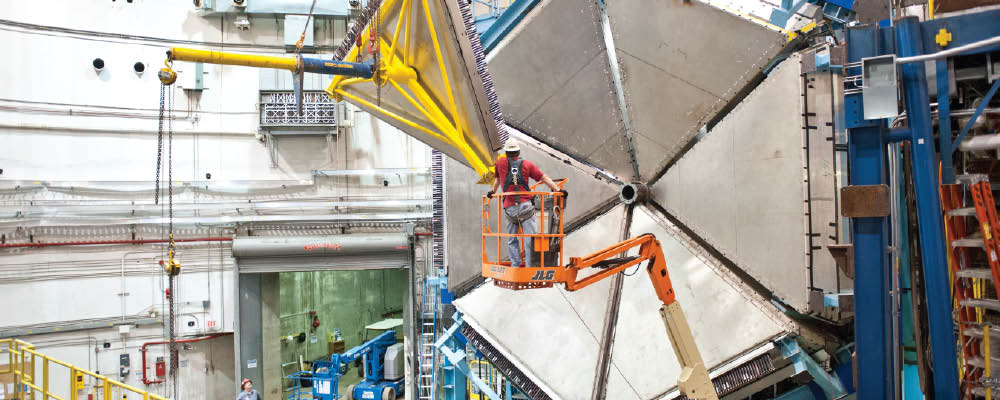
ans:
(251, 395)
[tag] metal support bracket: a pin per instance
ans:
(865, 201)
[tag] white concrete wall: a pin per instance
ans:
(63, 287)
(61, 121)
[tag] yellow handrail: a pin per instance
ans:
(18, 352)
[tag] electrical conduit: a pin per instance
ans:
(142, 350)
(115, 242)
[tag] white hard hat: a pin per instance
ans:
(511, 146)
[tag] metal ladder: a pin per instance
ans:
(428, 334)
(430, 301)
(969, 281)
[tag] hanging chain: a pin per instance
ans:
(376, 42)
(170, 165)
(170, 247)
(159, 148)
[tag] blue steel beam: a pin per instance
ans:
(979, 111)
(867, 166)
(944, 122)
(799, 393)
(802, 362)
(505, 23)
(334, 67)
(931, 226)
(964, 29)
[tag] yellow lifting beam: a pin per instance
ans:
(415, 63)
(226, 58)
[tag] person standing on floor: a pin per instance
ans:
(247, 392)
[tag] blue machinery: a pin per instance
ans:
(912, 42)
(326, 374)
(456, 373)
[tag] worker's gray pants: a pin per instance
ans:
(520, 215)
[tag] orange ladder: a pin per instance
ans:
(968, 281)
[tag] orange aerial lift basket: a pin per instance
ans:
(547, 247)
(546, 244)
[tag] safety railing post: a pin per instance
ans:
(18, 373)
(72, 383)
(986, 357)
(541, 229)
(34, 362)
(107, 389)
(499, 222)
(45, 377)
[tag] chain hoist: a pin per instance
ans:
(171, 266)
(159, 148)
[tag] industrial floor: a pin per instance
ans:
(350, 378)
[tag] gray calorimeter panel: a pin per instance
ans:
(879, 88)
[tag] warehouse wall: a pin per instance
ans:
(62, 122)
(65, 288)
(347, 300)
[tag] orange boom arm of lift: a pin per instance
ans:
(694, 381)
(649, 250)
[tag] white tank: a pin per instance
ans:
(394, 360)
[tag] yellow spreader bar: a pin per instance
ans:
(224, 58)
(396, 71)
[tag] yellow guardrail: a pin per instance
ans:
(23, 362)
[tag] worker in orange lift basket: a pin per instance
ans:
(247, 392)
(514, 173)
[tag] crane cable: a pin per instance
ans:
(302, 37)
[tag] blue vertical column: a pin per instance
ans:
(946, 147)
(931, 226)
(911, 378)
(453, 382)
(867, 166)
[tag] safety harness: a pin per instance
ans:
(515, 181)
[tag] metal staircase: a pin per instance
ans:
(971, 229)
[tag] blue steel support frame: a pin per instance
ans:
(456, 364)
(979, 111)
(867, 159)
(964, 29)
(802, 362)
(799, 393)
(505, 23)
(907, 339)
(868, 166)
(944, 122)
(930, 223)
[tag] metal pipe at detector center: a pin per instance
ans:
(311, 65)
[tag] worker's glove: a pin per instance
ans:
(564, 193)
(490, 194)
